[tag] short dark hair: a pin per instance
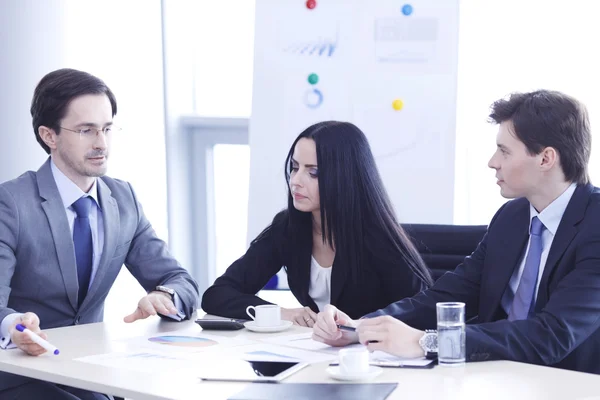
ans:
(54, 93)
(546, 118)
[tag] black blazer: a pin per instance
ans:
(382, 283)
(565, 331)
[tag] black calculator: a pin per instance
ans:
(221, 324)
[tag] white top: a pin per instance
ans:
(320, 284)
(550, 217)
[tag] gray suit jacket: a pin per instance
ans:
(38, 272)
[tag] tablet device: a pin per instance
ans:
(250, 371)
(221, 324)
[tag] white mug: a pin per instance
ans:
(266, 315)
(354, 361)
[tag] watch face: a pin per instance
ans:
(429, 342)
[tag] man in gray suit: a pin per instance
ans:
(66, 230)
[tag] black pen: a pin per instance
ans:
(352, 329)
(346, 328)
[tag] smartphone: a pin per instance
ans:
(221, 324)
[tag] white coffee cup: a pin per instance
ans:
(354, 362)
(266, 315)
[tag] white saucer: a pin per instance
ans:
(251, 326)
(335, 373)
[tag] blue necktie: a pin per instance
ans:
(82, 240)
(526, 290)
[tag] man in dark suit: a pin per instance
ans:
(66, 230)
(534, 280)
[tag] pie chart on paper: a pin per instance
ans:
(183, 341)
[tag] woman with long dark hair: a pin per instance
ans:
(338, 240)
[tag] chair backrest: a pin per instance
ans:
(443, 247)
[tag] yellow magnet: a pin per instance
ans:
(397, 104)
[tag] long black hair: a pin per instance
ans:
(354, 204)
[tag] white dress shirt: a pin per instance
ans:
(550, 217)
(320, 284)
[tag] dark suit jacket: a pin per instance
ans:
(564, 331)
(381, 283)
(38, 272)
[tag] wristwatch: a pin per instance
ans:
(167, 290)
(429, 341)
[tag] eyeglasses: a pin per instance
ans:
(89, 132)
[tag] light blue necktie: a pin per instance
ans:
(82, 241)
(526, 290)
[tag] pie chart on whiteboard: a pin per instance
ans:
(183, 341)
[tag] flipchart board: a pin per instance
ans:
(387, 66)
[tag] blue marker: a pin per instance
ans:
(407, 9)
(37, 339)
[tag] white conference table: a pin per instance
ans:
(489, 380)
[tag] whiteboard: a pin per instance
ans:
(387, 66)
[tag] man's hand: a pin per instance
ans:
(326, 331)
(390, 335)
(22, 340)
(300, 316)
(152, 304)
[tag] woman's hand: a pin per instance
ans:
(326, 328)
(300, 316)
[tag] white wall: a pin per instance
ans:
(118, 41)
(208, 73)
(515, 45)
(26, 56)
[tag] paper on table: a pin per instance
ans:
(152, 361)
(144, 361)
(304, 341)
(388, 359)
(270, 352)
(185, 342)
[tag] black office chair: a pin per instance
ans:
(443, 247)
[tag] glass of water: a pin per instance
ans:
(451, 333)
